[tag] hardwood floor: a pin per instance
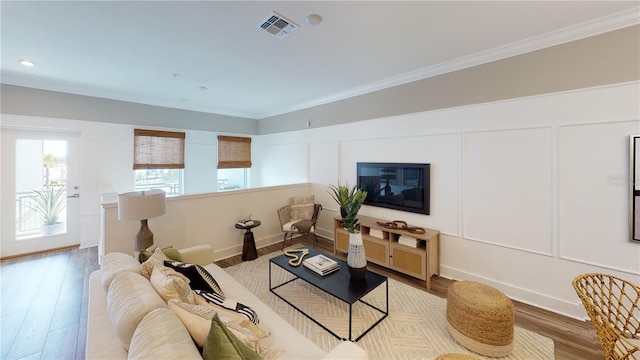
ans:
(44, 307)
(44, 304)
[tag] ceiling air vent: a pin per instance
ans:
(277, 25)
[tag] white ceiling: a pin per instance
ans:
(131, 50)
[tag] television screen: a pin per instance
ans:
(399, 186)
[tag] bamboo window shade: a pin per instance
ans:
(153, 149)
(234, 152)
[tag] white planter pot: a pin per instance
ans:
(356, 258)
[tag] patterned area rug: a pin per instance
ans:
(414, 329)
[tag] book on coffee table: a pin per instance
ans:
(321, 264)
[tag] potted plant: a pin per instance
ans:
(49, 202)
(350, 200)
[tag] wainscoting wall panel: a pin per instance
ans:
(509, 172)
(595, 171)
(287, 164)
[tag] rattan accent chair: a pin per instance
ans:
(613, 304)
(301, 227)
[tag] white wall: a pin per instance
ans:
(520, 188)
(106, 163)
(206, 219)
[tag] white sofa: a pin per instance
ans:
(165, 337)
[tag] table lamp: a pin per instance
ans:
(141, 205)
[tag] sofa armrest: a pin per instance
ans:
(200, 254)
(347, 350)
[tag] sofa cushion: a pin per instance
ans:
(170, 284)
(222, 344)
(229, 304)
(129, 299)
(230, 317)
(113, 264)
(199, 277)
(161, 335)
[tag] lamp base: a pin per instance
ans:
(144, 237)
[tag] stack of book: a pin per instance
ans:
(408, 241)
(321, 264)
(376, 233)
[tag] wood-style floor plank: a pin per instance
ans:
(54, 326)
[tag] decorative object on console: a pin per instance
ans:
(356, 258)
(341, 195)
(401, 225)
(142, 205)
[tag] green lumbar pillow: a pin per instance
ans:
(222, 344)
(169, 252)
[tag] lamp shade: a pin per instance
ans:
(140, 205)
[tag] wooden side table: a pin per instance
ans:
(249, 251)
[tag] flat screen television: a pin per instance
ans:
(399, 186)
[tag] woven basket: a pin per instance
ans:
(480, 318)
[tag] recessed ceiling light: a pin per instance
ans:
(314, 19)
(26, 62)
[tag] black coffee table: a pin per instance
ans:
(337, 284)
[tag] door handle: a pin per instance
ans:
(76, 195)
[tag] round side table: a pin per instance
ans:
(249, 251)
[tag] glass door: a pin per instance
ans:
(42, 169)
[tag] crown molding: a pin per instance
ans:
(598, 26)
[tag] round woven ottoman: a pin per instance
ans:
(480, 318)
(456, 357)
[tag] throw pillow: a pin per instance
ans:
(222, 344)
(169, 252)
(196, 318)
(200, 278)
(230, 317)
(155, 260)
(302, 200)
(170, 284)
(230, 304)
(302, 212)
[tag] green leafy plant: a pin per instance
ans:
(350, 199)
(49, 202)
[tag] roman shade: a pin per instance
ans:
(153, 149)
(234, 152)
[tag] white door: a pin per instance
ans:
(40, 177)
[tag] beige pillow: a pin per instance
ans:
(129, 299)
(197, 320)
(302, 212)
(302, 200)
(230, 316)
(170, 284)
(113, 264)
(161, 335)
(155, 260)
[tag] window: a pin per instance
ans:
(234, 161)
(158, 160)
